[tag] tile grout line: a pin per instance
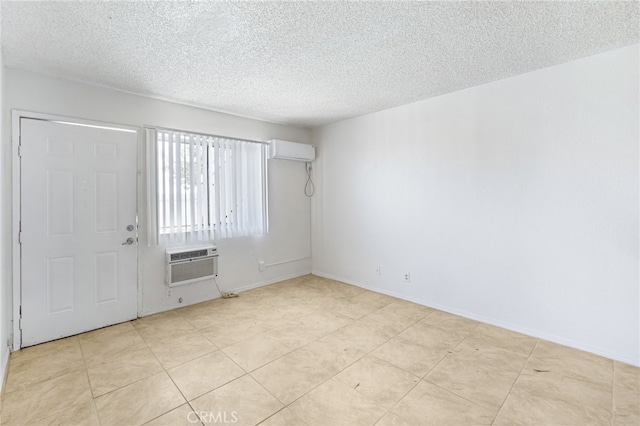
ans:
(613, 393)
(307, 344)
(280, 410)
(312, 305)
(459, 396)
(246, 373)
(420, 344)
(339, 371)
(155, 356)
(189, 402)
(390, 409)
(269, 392)
(165, 372)
(86, 371)
(194, 410)
(420, 379)
(366, 354)
(516, 380)
(450, 353)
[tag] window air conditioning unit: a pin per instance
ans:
(285, 150)
(190, 264)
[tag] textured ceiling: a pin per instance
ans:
(305, 63)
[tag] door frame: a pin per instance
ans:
(16, 187)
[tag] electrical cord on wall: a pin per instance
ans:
(224, 294)
(309, 187)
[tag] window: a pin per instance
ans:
(207, 187)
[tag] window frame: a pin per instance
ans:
(162, 231)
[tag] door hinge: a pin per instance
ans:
(20, 323)
(19, 150)
(20, 237)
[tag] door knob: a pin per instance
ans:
(130, 228)
(128, 242)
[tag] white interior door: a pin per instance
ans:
(78, 222)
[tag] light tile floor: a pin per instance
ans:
(316, 352)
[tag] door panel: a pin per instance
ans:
(78, 195)
(106, 277)
(60, 285)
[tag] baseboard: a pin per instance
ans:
(541, 335)
(268, 282)
(165, 308)
(366, 287)
(492, 321)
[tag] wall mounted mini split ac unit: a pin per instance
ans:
(285, 150)
(190, 264)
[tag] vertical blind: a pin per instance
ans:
(206, 187)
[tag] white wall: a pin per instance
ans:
(5, 246)
(289, 236)
(515, 203)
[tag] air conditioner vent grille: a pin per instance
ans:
(185, 266)
(188, 255)
(190, 271)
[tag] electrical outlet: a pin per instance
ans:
(169, 293)
(378, 270)
(261, 265)
(407, 277)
